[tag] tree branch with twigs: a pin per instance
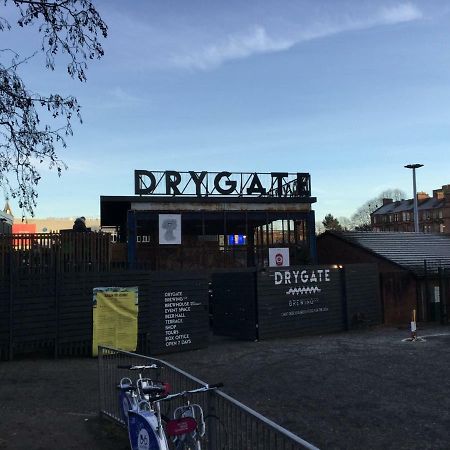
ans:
(33, 126)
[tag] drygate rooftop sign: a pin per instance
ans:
(214, 184)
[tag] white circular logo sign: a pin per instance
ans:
(143, 440)
(279, 259)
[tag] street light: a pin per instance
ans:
(416, 210)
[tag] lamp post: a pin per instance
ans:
(416, 210)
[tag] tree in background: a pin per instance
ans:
(33, 126)
(361, 219)
(331, 223)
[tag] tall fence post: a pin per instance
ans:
(427, 292)
(11, 305)
(442, 297)
(57, 313)
(344, 298)
(101, 382)
(211, 413)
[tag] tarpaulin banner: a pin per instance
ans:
(115, 318)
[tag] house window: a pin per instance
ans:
(440, 214)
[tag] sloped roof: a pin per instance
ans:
(408, 250)
(408, 205)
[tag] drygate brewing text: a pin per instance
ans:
(204, 184)
(302, 276)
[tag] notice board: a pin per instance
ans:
(115, 318)
(177, 312)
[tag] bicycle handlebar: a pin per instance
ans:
(132, 367)
(208, 387)
(215, 386)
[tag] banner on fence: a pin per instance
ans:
(115, 318)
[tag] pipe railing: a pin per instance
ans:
(230, 424)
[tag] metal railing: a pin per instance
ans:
(230, 425)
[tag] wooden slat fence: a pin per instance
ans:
(49, 252)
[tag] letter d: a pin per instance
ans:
(278, 277)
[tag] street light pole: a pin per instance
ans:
(416, 209)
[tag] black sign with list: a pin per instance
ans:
(179, 315)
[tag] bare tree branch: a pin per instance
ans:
(69, 27)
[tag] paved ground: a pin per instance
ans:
(359, 390)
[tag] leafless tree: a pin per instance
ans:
(33, 126)
(361, 218)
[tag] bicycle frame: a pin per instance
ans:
(145, 431)
(142, 414)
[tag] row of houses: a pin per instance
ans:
(434, 213)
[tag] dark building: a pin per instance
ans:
(213, 220)
(408, 264)
(434, 213)
(6, 220)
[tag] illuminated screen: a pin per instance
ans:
(237, 239)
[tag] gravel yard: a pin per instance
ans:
(361, 390)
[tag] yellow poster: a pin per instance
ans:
(115, 318)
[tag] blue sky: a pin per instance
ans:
(349, 91)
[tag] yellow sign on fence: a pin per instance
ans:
(115, 318)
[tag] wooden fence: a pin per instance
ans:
(49, 252)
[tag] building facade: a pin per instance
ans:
(434, 213)
(179, 220)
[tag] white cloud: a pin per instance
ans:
(235, 46)
(404, 12)
(257, 39)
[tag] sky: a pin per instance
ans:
(349, 91)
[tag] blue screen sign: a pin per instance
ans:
(237, 239)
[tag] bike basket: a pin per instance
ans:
(185, 425)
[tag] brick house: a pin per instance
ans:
(434, 213)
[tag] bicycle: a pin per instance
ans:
(147, 427)
(187, 428)
(144, 424)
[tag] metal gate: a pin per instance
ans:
(233, 304)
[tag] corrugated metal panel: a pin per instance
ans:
(362, 284)
(234, 304)
(299, 300)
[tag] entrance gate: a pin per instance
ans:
(233, 304)
(294, 301)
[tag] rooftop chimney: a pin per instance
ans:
(386, 201)
(422, 196)
(438, 194)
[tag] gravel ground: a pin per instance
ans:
(358, 390)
